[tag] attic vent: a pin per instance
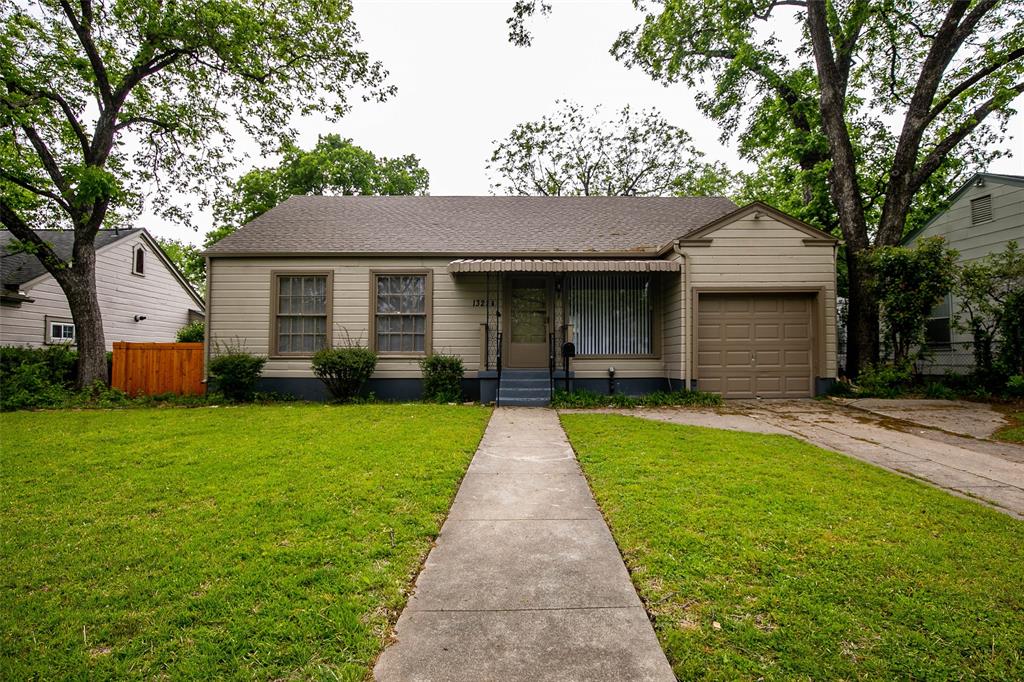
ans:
(981, 209)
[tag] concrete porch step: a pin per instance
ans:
(544, 383)
(525, 402)
(524, 374)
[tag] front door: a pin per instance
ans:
(527, 322)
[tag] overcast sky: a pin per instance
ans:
(462, 85)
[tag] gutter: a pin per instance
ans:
(686, 314)
(208, 310)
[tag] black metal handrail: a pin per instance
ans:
(551, 361)
(497, 358)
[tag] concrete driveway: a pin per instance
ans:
(940, 442)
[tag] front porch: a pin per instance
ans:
(546, 319)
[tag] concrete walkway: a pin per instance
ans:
(525, 581)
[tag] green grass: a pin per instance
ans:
(1014, 433)
(813, 565)
(245, 543)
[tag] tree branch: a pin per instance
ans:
(973, 79)
(69, 113)
(132, 120)
(84, 32)
(24, 184)
(49, 163)
(942, 149)
(767, 13)
(10, 219)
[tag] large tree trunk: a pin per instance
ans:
(862, 317)
(79, 285)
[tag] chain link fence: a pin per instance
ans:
(950, 358)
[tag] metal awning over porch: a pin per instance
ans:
(552, 265)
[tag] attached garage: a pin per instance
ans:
(756, 345)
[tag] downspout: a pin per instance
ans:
(206, 322)
(685, 317)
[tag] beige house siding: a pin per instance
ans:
(751, 253)
(974, 242)
(764, 254)
(158, 295)
(240, 309)
(672, 325)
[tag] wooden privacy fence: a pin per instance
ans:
(156, 368)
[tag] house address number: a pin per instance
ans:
(483, 302)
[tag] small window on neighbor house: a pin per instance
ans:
(938, 333)
(981, 209)
(139, 261)
(61, 332)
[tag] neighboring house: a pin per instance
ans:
(984, 215)
(142, 295)
(668, 292)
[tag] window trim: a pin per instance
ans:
(328, 310)
(656, 323)
(428, 307)
(48, 331)
(135, 260)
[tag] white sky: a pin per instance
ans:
(462, 85)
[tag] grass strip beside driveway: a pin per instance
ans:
(761, 556)
(245, 543)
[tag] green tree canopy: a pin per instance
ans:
(334, 166)
(188, 259)
(890, 102)
(575, 152)
(104, 103)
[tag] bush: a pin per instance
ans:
(344, 370)
(884, 381)
(36, 377)
(1015, 386)
(29, 386)
(193, 332)
(681, 398)
(583, 398)
(442, 378)
(937, 390)
(60, 362)
(236, 373)
(840, 388)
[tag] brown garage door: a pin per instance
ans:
(755, 345)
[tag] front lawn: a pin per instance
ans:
(764, 557)
(247, 543)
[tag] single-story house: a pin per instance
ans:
(143, 296)
(651, 293)
(983, 216)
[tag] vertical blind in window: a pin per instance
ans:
(611, 314)
(401, 316)
(301, 313)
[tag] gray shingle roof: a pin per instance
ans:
(472, 225)
(18, 268)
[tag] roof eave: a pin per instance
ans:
(647, 253)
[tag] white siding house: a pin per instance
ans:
(984, 215)
(142, 295)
